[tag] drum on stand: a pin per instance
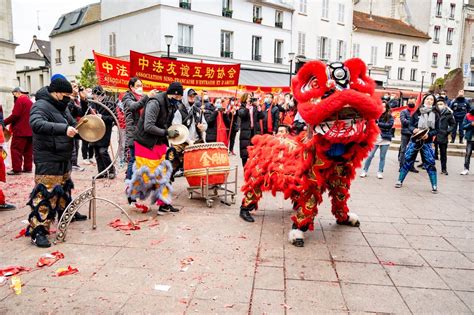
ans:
(206, 158)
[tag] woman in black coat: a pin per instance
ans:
(249, 125)
(211, 115)
(446, 126)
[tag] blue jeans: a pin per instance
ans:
(457, 127)
(427, 156)
(383, 154)
(130, 162)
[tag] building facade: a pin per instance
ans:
(7, 56)
(33, 67)
(467, 48)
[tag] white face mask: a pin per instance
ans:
(139, 91)
(218, 104)
(206, 97)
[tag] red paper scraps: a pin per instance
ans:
(143, 208)
(153, 223)
(388, 263)
(156, 242)
(49, 259)
(13, 270)
(66, 271)
(121, 226)
(185, 263)
(21, 233)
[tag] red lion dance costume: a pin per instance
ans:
(338, 104)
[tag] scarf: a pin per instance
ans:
(270, 120)
(470, 117)
(250, 108)
(427, 118)
(221, 129)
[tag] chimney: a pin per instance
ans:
(34, 37)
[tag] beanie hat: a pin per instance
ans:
(60, 85)
(56, 76)
(175, 88)
(98, 90)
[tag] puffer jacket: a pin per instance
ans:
(386, 128)
(405, 117)
(460, 107)
(446, 125)
(131, 109)
(49, 120)
(468, 127)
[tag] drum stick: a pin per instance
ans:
(82, 123)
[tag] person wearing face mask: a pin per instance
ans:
(406, 132)
(468, 126)
(21, 145)
(460, 106)
(271, 115)
(78, 107)
(250, 115)
(53, 133)
(151, 146)
(217, 123)
(446, 125)
(425, 118)
(290, 110)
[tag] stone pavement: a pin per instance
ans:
(413, 253)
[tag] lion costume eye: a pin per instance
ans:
(310, 82)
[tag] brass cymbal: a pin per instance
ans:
(183, 134)
(91, 128)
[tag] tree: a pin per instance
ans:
(87, 78)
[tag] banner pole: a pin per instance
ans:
(231, 123)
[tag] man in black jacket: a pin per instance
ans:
(271, 115)
(77, 107)
(53, 133)
(405, 116)
(460, 107)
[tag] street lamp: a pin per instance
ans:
(291, 56)
(422, 80)
(168, 40)
(369, 66)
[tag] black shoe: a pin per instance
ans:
(173, 209)
(299, 242)
(7, 207)
(245, 215)
(452, 141)
(79, 217)
(13, 173)
(461, 142)
(167, 208)
(40, 239)
(445, 172)
(420, 165)
(414, 170)
(112, 175)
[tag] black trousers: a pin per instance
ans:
(467, 159)
(75, 151)
(233, 134)
(443, 155)
(103, 159)
(403, 147)
(87, 150)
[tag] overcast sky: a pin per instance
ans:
(25, 21)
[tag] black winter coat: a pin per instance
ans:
(131, 109)
(109, 122)
(211, 119)
(432, 133)
(275, 119)
(246, 131)
(405, 117)
(386, 128)
(446, 125)
(460, 107)
(49, 120)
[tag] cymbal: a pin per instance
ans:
(91, 128)
(183, 134)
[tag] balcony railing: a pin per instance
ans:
(279, 24)
(227, 54)
(470, 84)
(185, 5)
(58, 60)
(257, 57)
(414, 58)
(278, 60)
(449, 42)
(72, 59)
(185, 50)
(434, 64)
(257, 20)
(402, 57)
(472, 60)
(436, 41)
(227, 13)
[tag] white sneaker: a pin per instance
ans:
(379, 175)
(363, 174)
(86, 162)
(465, 172)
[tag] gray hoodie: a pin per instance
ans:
(178, 119)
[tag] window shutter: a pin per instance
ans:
(329, 49)
(318, 47)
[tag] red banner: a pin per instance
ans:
(112, 73)
(190, 74)
(264, 89)
(396, 116)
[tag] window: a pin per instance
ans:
(415, 53)
(278, 53)
(389, 50)
(112, 45)
(452, 10)
(433, 77)
(324, 49)
(59, 23)
(401, 73)
(41, 80)
(403, 51)
(28, 82)
(226, 44)
(439, 7)
(449, 36)
(303, 6)
(71, 54)
(325, 11)
(340, 13)
(341, 50)
(185, 39)
(227, 8)
(256, 48)
(413, 75)
(185, 4)
(436, 34)
(434, 61)
(76, 17)
(373, 55)
(301, 43)
(58, 56)
(389, 71)
(355, 50)
(279, 19)
(448, 61)
(257, 14)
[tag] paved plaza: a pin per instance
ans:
(413, 253)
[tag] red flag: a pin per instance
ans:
(221, 129)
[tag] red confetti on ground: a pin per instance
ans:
(186, 262)
(183, 301)
(49, 259)
(118, 225)
(13, 270)
(229, 305)
(243, 237)
(156, 242)
(388, 263)
(143, 208)
(21, 233)
(66, 271)
(153, 223)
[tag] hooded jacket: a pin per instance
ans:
(131, 109)
(49, 120)
(446, 125)
(190, 116)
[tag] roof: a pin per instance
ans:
(76, 19)
(33, 55)
(263, 78)
(44, 46)
(386, 25)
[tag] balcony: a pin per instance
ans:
(414, 58)
(227, 54)
(449, 42)
(72, 59)
(279, 24)
(278, 60)
(227, 13)
(434, 64)
(436, 41)
(257, 57)
(402, 57)
(257, 20)
(185, 5)
(185, 50)
(472, 60)
(58, 60)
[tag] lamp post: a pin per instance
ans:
(369, 66)
(168, 40)
(291, 56)
(422, 80)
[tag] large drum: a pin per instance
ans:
(203, 157)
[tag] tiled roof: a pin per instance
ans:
(77, 19)
(33, 55)
(386, 25)
(45, 47)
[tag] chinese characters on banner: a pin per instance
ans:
(191, 74)
(112, 73)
